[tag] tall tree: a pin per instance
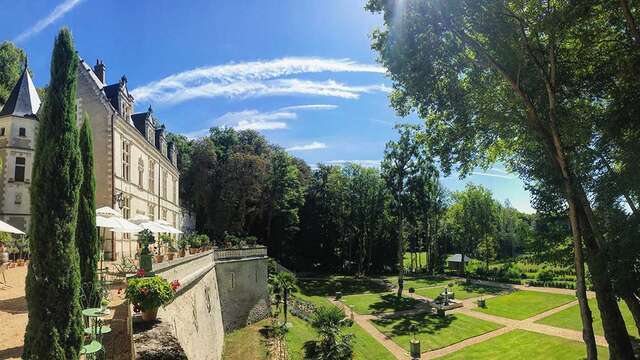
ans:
(12, 61)
(87, 240)
(525, 82)
(54, 330)
(401, 164)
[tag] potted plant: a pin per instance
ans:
(5, 239)
(145, 237)
(182, 246)
(194, 244)
(147, 294)
(482, 302)
(167, 240)
(204, 242)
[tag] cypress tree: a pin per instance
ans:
(87, 239)
(54, 330)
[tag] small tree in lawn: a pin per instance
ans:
(54, 330)
(87, 239)
(333, 344)
(283, 284)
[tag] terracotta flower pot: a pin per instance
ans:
(20, 262)
(170, 256)
(192, 251)
(159, 258)
(150, 315)
(181, 253)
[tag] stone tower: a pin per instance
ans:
(18, 129)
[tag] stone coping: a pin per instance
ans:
(166, 265)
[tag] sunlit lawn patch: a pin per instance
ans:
(461, 291)
(377, 303)
(365, 347)
(570, 318)
(520, 305)
(521, 344)
(421, 282)
(434, 332)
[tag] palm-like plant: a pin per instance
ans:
(282, 284)
(333, 344)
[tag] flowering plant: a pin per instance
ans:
(147, 293)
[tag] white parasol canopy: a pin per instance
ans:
(107, 211)
(4, 227)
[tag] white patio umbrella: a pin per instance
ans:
(111, 219)
(107, 211)
(4, 227)
(169, 229)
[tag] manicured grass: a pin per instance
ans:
(421, 282)
(461, 291)
(521, 344)
(377, 303)
(246, 343)
(346, 285)
(520, 305)
(434, 332)
(570, 319)
(364, 347)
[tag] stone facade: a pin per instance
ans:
(18, 133)
(243, 291)
(135, 164)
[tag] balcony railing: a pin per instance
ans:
(228, 254)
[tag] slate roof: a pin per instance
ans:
(23, 100)
(457, 258)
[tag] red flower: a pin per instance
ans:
(140, 273)
(144, 291)
(119, 291)
(136, 308)
(175, 284)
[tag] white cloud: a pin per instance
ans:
(312, 146)
(43, 23)
(478, 173)
(363, 163)
(258, 78)
(256, 120)
(310, 107)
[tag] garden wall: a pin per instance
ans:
(242, 283)
(195, 315)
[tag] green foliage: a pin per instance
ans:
(12, 61)
(87, 240)
(333, 344)
(5, 238)
(54, 330)
(145, 238)
(148, 293)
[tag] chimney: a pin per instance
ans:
(101, 71)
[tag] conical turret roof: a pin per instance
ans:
(24, 100)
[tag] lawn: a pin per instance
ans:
(377, 303)
(520, 305)
(421, 256)
(365, 347)
(518, 344)
(461, 291)
(347, 285)
(246, 343)
(570, 319)
(421, 282)
(434, 332)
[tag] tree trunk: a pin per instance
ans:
(634, 306)
(285, 304)
(631, 22)
(581, 290)
(400, 257)
(462, 259)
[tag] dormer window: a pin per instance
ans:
(22, 132)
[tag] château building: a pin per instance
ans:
(135, 165)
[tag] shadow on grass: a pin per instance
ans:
(329, 287)
(482, 289)
(392, 302)
(425, 323)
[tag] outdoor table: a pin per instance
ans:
(93, 314)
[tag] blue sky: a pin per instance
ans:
(299, 71)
